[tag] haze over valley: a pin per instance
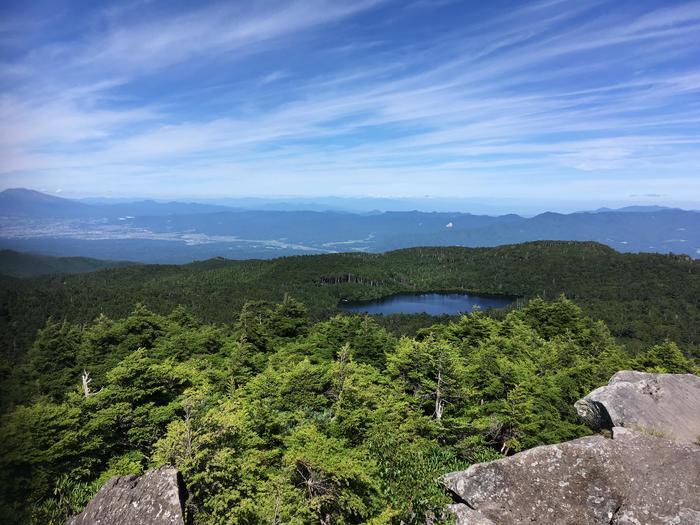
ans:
(148, 231)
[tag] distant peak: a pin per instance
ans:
(27, 194)
(634, 209)
(20, 191)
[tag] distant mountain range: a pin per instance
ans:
(149, 231)
(643, 209)
(20, 202)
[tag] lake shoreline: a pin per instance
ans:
(435, 303)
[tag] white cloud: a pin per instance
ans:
(222, 28)
(505, 102)
(273, 76)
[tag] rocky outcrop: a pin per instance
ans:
(156, 498)
(465, 514)
(667, 405)
(633, 478)
(647, 474)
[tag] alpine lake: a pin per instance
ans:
(429, 303)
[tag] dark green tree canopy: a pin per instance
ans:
(272, 418)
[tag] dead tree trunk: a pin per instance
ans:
(439, 401)
(86, 380)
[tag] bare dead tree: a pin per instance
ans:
(439, 401)
(189, 435)
(319, 488)
(86, 380)
(342, 373)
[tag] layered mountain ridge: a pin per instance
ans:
(175, 232)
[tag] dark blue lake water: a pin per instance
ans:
(429, 303)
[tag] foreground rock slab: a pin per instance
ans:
(633, 478)
(667, 405)
(156, 498)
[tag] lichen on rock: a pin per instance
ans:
(637, 477)
(664, 405)
(156, 498)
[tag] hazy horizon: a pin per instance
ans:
(368, 203)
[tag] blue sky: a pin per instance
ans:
(554, 101)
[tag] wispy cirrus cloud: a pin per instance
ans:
(546, 97)
(215, 29)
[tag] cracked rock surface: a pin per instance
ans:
(667, 405)
(633, 478)
(647, 474)
(156, 498)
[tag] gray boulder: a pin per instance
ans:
(633, 478)
(666, 405)
(156, 498)
(467, 515)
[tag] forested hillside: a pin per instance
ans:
(644, 298)
(272, 418)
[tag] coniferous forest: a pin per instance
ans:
(276, 409)
(331, 262)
